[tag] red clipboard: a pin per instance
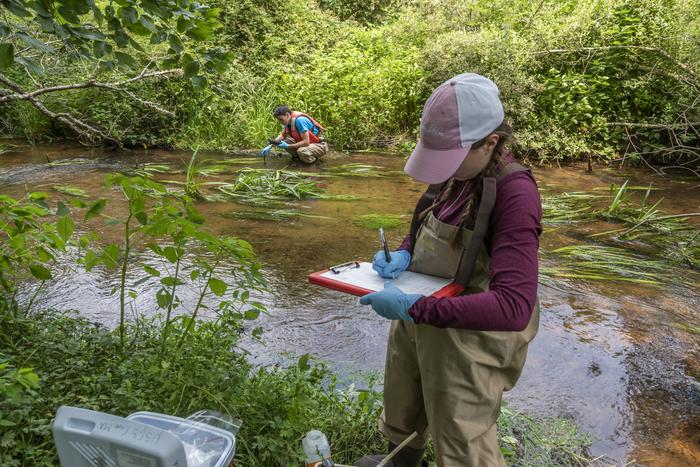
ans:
(318, 278)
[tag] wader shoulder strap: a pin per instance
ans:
(488, 200)
(423, 203)
(481, 225)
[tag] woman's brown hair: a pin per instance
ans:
(498, 160)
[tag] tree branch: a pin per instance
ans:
(81, 128)
(19, 95)
(659, 126)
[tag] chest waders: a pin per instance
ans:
(448, 382)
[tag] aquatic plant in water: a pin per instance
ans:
(257, 184)
(567, 208)
(149, 169)
(70, 190)
(270, 215)
(599, 262)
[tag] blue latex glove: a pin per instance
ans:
(391, 303)
(266, 150)
(282, 145)
(400, 259)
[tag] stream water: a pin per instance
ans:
(621, 359)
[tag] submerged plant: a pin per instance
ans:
(598, 262)
(566, 208)
(70, 190)
(149, 169)
(254, 184)
(270, 215)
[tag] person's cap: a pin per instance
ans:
(461, 111)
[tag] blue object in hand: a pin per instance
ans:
(266, 150)
(392, 302)
(400, 259)
(283, 145)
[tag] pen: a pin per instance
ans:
(382, 240)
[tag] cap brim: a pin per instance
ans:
(434, 165)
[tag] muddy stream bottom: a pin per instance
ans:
(621, 359)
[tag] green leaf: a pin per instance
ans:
(151, 270)
(194, 215)
(163, 298)
(65, 227)
(182, 24)
(175, 43)
(91, 260)
(44, 255)
(147, 24)
(170, 254)
(217, 286)
(200, 33)
(303, 363)
(95, 209)
(36, 43)
(125, 59)
(40, 272)
(27, 378)
(129, 15)
(7, 55)
(198, 82)
(171, 281)
(30, 65)
(142, 217)
(251, 314)
(110, 256)
(62, 209)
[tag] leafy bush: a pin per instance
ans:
(576, 78)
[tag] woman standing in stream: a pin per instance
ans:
(450, 359)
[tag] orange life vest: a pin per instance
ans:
(291, 129)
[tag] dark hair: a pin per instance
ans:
(498, 160)
(281, 110)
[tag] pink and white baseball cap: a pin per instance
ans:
(460, 112)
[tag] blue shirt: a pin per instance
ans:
(304, 124)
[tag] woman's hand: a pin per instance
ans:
(392, 302)
(400, 259)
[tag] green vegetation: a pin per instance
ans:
(648, 248)
(270, 215)
(259, 186)
(178, 361)
(598, 262)
(527, 442)
(70, 190)
(612, 79)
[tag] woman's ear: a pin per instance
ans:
(492, 141)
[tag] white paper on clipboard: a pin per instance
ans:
(409, 282)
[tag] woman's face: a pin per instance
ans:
(477, 159)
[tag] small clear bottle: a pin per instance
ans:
(316, 449)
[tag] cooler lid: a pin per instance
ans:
(205, 445)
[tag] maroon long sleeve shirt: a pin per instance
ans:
(512, 242)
